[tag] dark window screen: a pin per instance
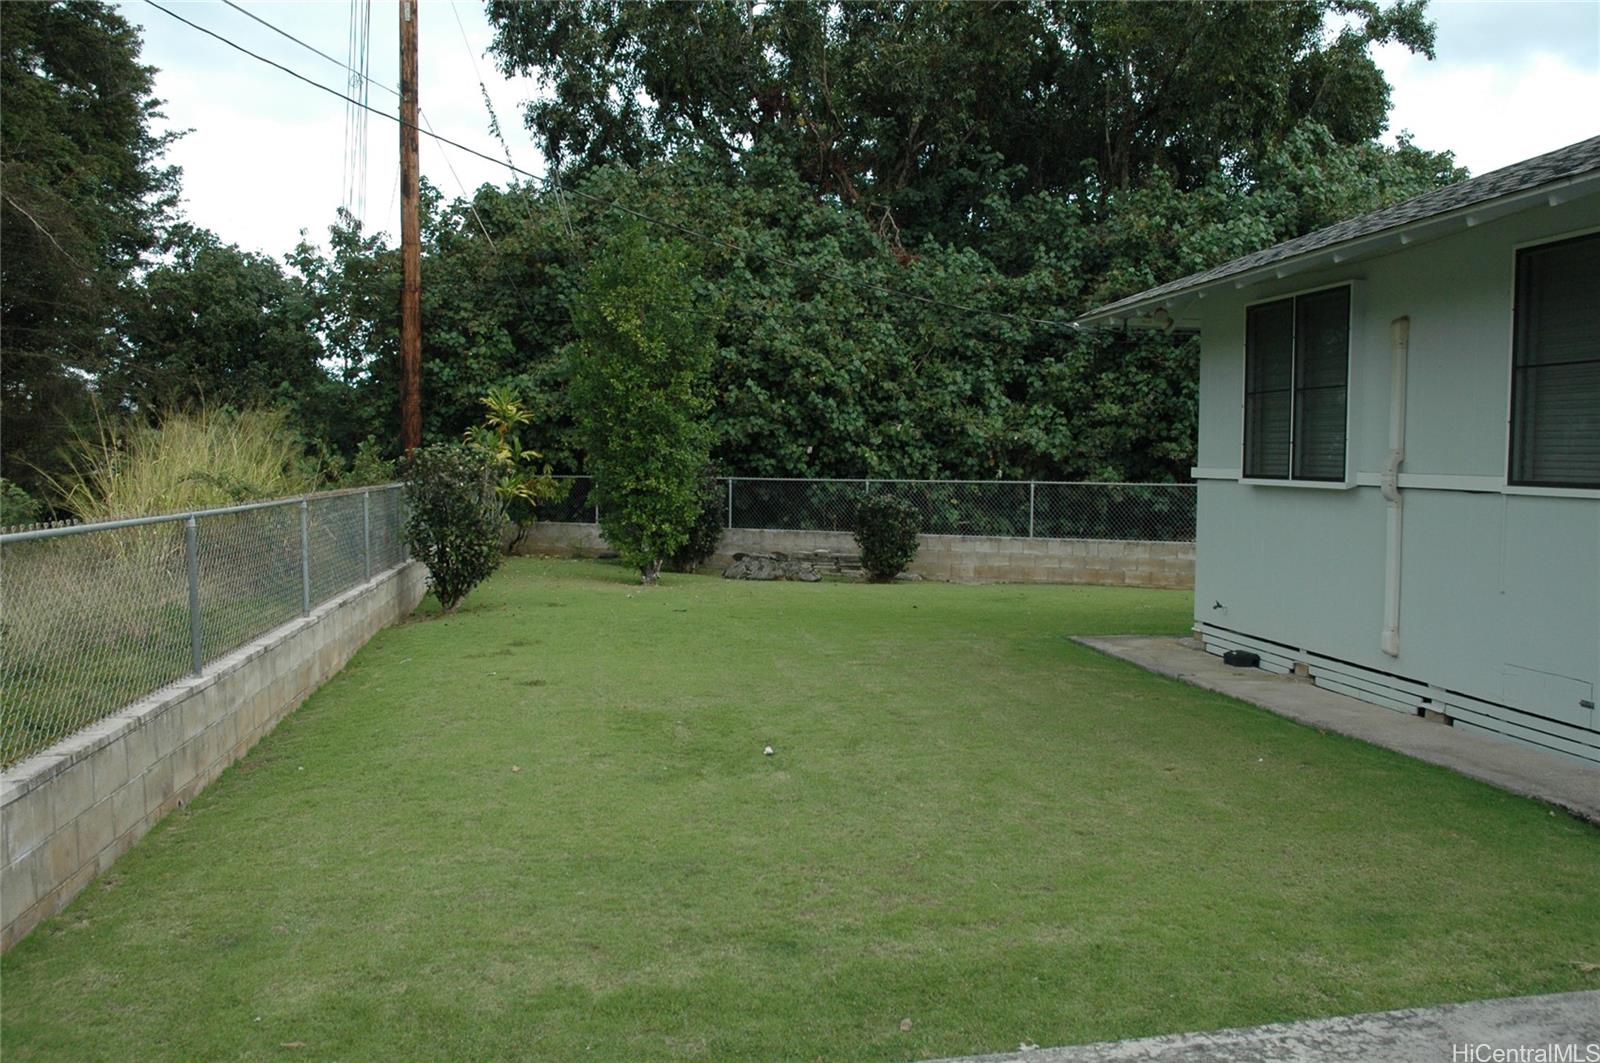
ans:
(1555, 378)
(1268, 388)
(1297, 358)
(1321, 368)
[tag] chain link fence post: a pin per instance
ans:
(366, 531)
(191, 549)
(1030, 508)
(305, 558)
(730, 502)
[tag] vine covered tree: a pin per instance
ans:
(639, 373)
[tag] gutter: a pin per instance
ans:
(1128, 311)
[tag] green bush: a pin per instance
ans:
(707, 530)
(453, 518)
(522, 482)
(16, 505)
(369, 467)
(886, 530)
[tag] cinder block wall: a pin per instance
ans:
(956, 558)
(67, 813)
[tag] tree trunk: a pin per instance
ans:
(649, 573)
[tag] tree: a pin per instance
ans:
(352, 290)
(917, 114)
(638, 389)
(500, 267)
(898, 199)
(213, 323)
(837, 357)
(82, 197)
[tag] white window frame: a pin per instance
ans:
(1352, 346)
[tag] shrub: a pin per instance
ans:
(16, 505)
(639, 396)
(369, 467)
(706, 532)
(453, 518)
(521, 483)
(886, 530)
(192, 460)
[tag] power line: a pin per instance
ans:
(471, 201)
(611, 204)
(364, 76)
(391, 90)
(280, 31)
(499, 134)
(358, 43)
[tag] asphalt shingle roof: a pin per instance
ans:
(1561, 164)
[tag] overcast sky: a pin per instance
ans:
(265, 154)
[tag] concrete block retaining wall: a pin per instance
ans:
(956, 558)
(67, 813)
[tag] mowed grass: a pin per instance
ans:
(970, 822)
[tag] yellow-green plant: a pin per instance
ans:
(521, 481)
(190, 460)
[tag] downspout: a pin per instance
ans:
(1400, 338)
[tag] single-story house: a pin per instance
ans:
(1399, 451)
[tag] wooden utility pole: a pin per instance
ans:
(410, 238)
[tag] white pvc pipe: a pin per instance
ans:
(1400, 339)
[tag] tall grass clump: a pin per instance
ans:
(191, 460)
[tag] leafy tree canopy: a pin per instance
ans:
(837, 356)
(918, 113)
(83, 196)
(213, 321)
(899, 204)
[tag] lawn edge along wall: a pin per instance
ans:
(955, 558)
(68, 813)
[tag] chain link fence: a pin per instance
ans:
(1023, 509)
(96, 616)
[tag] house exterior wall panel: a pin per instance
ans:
(1499, 589)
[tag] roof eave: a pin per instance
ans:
(1138, 311)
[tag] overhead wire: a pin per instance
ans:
(617, 205)
(364, 76)
(358, 45)
(499, 134)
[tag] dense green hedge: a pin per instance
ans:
(886, 531)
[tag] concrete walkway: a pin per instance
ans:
(1455, 1032)
(1561, 781)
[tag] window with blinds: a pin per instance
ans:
(1555, 375)
(1297, 363)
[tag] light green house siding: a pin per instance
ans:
(1500, 587)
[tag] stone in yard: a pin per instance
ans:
(770, 567)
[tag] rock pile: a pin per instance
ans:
(770, 567)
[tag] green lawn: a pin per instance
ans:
(970, 822)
